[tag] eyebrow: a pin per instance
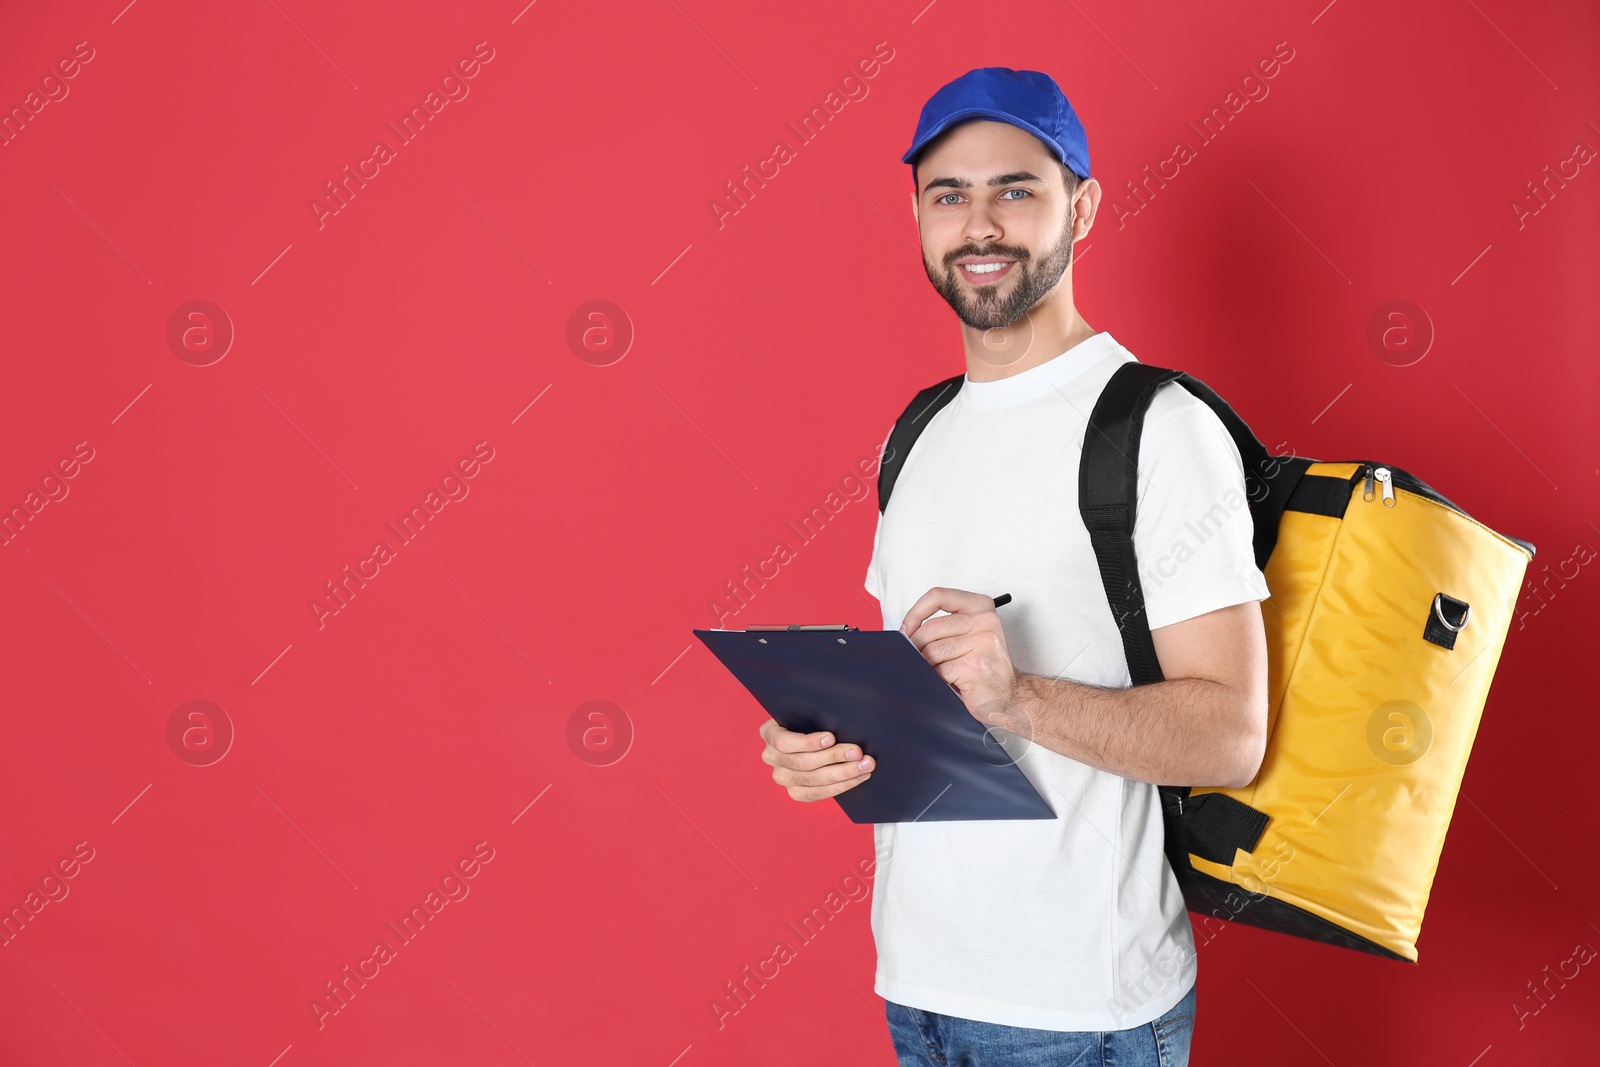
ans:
(1003, 179)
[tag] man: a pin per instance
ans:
(1066, 940)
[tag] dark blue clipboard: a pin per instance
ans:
(873, 688)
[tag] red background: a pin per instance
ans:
(770, 355)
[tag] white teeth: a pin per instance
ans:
(985, 268)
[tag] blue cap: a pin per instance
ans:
(1025, 98)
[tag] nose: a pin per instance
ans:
(982, 227)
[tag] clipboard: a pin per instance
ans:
(873, 688)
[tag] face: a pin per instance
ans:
(991, 193)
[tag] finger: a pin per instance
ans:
(812, 772)
(940, 598)
(979, 642)
(942, 649)
(920, 610)
(811, 795)
(823, 779)
(790, 741)
(770, 730)
(810, 761)
(961, 624)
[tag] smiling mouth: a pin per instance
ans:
(985, 273)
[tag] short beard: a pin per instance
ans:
(981, 309)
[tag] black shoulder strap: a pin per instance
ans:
(907, 428)
(1211, 825)
(1108, 493)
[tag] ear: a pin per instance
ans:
(1087, 201)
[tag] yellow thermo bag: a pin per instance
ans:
(1388, 610)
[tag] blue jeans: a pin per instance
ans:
(928, 1039)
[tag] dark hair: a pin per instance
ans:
(1071, 179)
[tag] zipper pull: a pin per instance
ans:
(1386, 479)
(1367, 492)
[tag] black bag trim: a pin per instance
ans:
(1214, 898)
(1447, 617)
(1319, 494)
(1402, 479)
(1212, 825)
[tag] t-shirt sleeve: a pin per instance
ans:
(1192, 531)
(874, 583)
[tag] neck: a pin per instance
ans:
(1048, 329)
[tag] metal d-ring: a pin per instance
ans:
(1438, 611)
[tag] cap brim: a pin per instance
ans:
(965, 115)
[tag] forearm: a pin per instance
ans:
(1187, 731)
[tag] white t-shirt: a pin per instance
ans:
(1077, 922)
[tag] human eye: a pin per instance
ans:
(941, 200)
(1024, 192)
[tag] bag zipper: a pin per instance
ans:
(1380, 480)
(1384, 477)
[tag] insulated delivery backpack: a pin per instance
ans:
(1389, 607)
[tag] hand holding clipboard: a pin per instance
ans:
(836, 691)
